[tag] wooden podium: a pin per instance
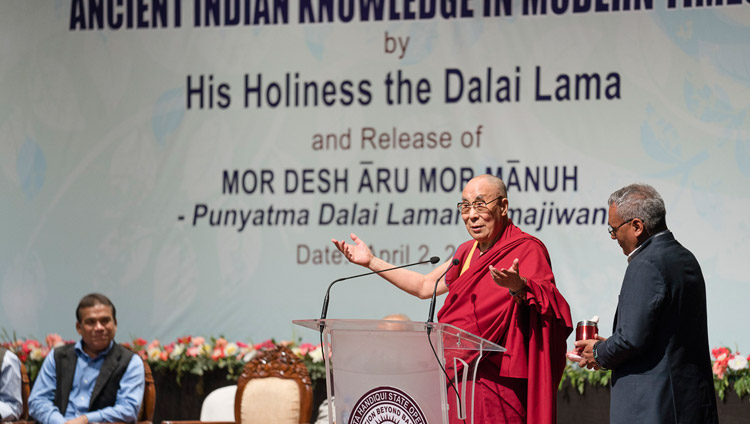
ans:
(381, 371)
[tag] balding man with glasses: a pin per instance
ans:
(658, 351)
(503, 290)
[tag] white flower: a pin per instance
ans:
(738, 363)
(206, 349)
(178, 351)
(153, 353)
(36, 354)
(231, 349)
(316, 355)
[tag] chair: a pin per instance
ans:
(146, 414)
(275, 387)
(25, 391)
(219, 404)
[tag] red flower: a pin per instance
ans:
(718, 352)
(722, 356)
(218, 353)
(184, 340)
(140, 342)
(306, 348)
(719, 369)
(29, 345)
(268, 344)
(54, 340)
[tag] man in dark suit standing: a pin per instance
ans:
(658, 351)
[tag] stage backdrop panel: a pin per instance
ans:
(193, 159)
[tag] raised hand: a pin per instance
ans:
(357, 253)
(508, 278)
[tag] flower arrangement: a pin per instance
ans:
(729, 369)
(191, 355)
(30, 351)
(197, 355)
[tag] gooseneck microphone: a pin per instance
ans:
(432, 260)
(455, 261)
(323, 346)
(430, 317)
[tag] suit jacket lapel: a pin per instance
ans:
(68, 360)
(108, 367)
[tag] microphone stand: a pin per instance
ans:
(324, 312)
(431, 315)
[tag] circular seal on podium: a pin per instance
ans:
(386, 405)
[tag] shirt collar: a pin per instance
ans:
(79, 349)
(635, 252)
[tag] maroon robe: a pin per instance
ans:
(533, 333)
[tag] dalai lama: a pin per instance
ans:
(503, 290)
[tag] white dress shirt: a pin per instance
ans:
(11, 405)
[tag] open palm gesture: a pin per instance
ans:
(357, 253)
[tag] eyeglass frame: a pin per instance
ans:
(613, 230)
(474, 205)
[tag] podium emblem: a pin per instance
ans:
(386, 405)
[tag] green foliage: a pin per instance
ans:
(742, 383)
(721, 386)
(580, 377)
(738, 381)
(317, 369)
(197, 356)
(730, 372)
(727, 377)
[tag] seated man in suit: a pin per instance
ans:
(94, 380)
(11, 404)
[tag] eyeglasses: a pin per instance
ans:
(480, 205)
(612, 231)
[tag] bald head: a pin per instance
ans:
(487, 221)
(396, 317)
(494, 182)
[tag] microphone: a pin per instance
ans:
(430, 317)
(432, 260)
(455, 261)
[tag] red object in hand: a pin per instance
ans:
(586, 330)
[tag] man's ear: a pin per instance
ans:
(639, 227)
(79, 329)
(503, 206)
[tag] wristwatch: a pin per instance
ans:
(596, 352)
